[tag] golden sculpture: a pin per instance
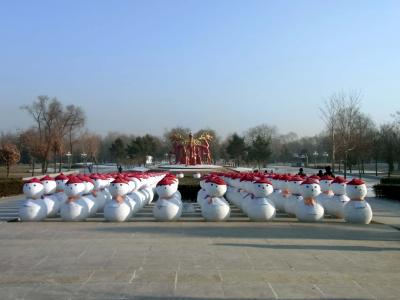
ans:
(191, 150)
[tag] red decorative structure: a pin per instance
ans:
(191, 150)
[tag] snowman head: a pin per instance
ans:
(33, 188)
(89, 184)
(74, 187)
(215, 186)
(166, 187)
(284, 182)
(339, 186)
(356, 189)
(294, 184)
(61, 180)
(119, 187)
(49, 184)
(325, 183)
(262, 188)
(97, 181)
(310, 188)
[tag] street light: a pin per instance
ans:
(68, 155)
(84, 156)
(326, 155)
(315, 154)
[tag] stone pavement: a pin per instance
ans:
(192, 259)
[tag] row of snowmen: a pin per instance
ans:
(259, 195)
(76, 198)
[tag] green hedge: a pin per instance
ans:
(387, 191)
(11, 186)
(390, 180)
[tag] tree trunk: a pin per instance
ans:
(33, 167)
(8, 169)
(60, 158)
(376, 167)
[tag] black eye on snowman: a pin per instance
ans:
(307, 186)
(120, 184)
(75, 184)
(34, 185)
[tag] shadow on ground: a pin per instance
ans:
(372, 232)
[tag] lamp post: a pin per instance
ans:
(326, 155)
(84, 157)
(315, 154)
(68, 155)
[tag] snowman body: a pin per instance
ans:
(49, 198)
(32, 208)
(326, 192)
(201, 194)
(294, 196)
(276, 192)
(118, 209)
(101, 196)
(74, 209)
(216, 208)
(282, 197)
(60, 193)
(260, 207)
(309, 210)
(89, 199)
(357, 210)
(169, 205)
(131, 198)
(335, 205)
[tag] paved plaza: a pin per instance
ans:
(192, 259)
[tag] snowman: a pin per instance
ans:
(294, 196)
(132, 198)
(357, 210)
(335, 205)
(49, 199)
(260, 208)
(61, 180)
(309, 210)
(281, 198)
(118, 209)
(169, 205)
(202, 193)
(98, 190)
(277, 190)
(216, 208)
(326, 190)
(89, 196)
(75, 208)
(33, 208)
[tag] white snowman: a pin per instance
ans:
(118, 209)
(50, 200)
(168, 207)
(99, 185)
(282, 197)
(260, 208)
(89, 196)
(309, 210)
(33, 208)
(357, 210)
(202, 193)
(61, 181)
(74, 209)
(335, 205)
(216, 208)
(326, 190)
(294, 196)
(277, 190)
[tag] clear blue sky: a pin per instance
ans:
(143, 66)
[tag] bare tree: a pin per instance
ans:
(9, 155)
(53, 123)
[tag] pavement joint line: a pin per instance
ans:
(320, 291)
(88, 279)
(273, 290)
(220, 275)
(249, 259)
(83, 252)
(133, 276)
(357, 284)
(40, 262)
(176, 280)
